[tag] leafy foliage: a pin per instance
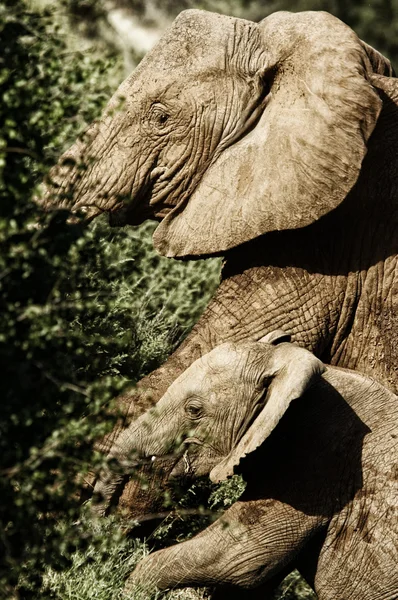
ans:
(42, 395)
(99, 572)
(79, 318)
(293, 587)
(85, 312)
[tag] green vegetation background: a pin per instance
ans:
(85, 312)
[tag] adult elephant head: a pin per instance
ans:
(229, 129)
(317, 448)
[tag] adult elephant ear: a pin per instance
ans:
(380, 64)
(294, 370)
(303, 155)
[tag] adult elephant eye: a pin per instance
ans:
(194, 410)
(159, 116)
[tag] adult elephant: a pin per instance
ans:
(275, 145)
(317, 446)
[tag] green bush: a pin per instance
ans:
(293, 587)
(80, 318)
(84, 312)
(43, 442)
(99, 572)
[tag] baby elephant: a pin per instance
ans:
(317, 446)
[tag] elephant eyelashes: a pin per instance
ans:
(266, 382)
(194, 410)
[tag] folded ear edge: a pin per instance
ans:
(275, 337)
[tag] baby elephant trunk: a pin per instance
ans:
(133, 462)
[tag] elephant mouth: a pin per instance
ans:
(130, 211)
(183, 468)
(145, 204)
(197, 460)
(127, 215)
(121, 217)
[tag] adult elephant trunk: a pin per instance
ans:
(102, 172)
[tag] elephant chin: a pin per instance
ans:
(120, 218)
(126, 215)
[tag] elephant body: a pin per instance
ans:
(332, 285)
(271, 144)
(319, 453)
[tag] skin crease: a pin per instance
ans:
(343, 425)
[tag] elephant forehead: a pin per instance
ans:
(206, 372)
(243, 363)
(225, 366)
(198, 45)
(223, 358)
(197, 38)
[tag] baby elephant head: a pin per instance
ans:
(220, 409)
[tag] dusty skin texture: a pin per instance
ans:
(275, 145)
(318, 448)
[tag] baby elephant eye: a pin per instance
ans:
(194, 409)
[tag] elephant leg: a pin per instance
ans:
(247, 547)
(360, 555)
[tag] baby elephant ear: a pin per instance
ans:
(294, 370)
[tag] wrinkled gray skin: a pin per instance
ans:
(275, 145)
(321, 456)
